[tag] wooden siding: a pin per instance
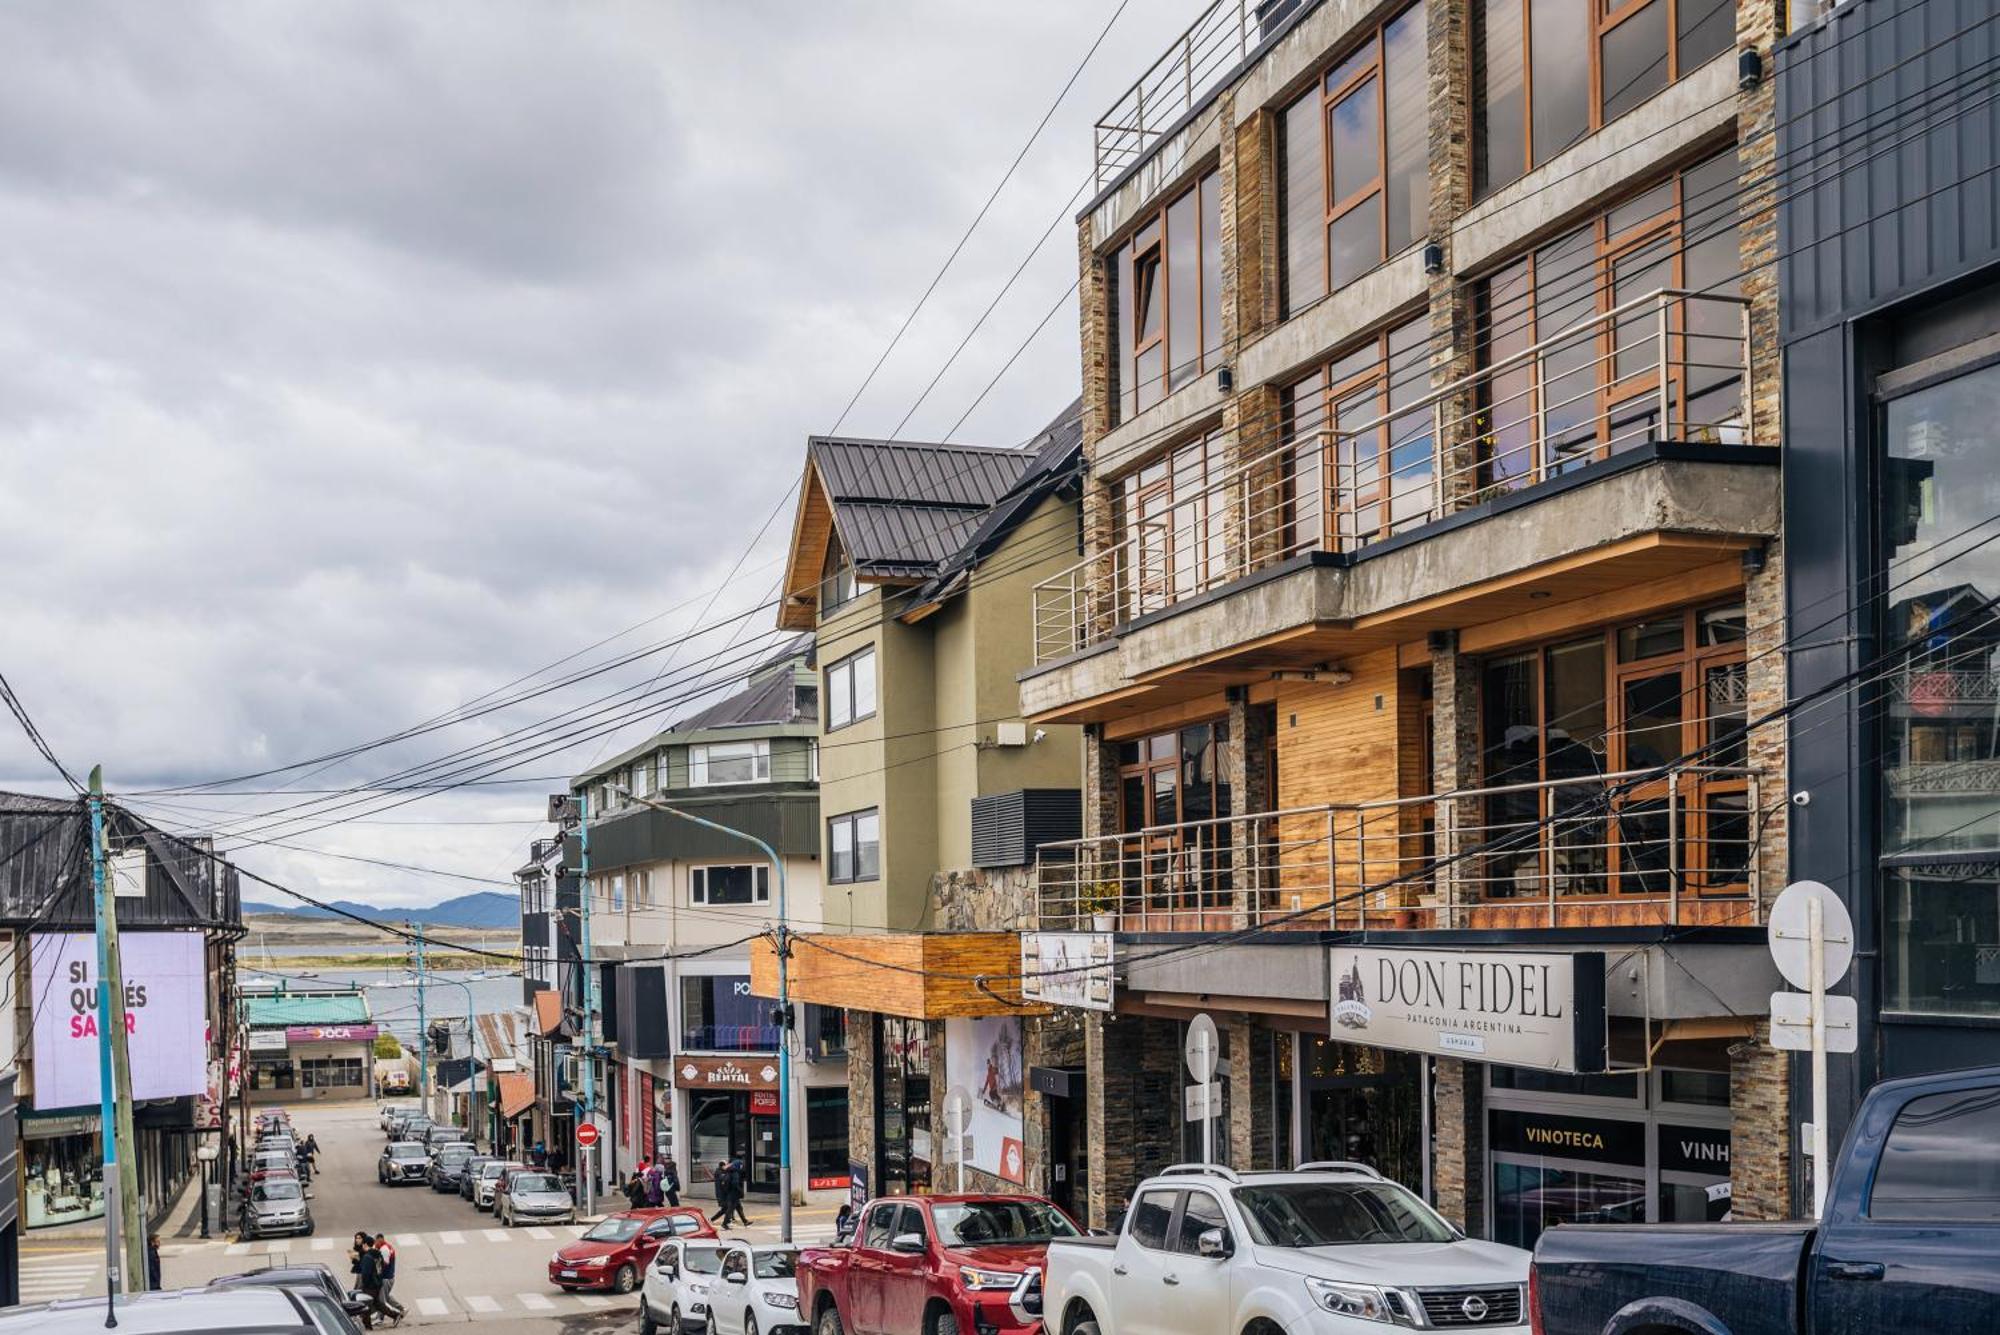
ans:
(920, 976)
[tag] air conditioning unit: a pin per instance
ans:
(1014, 732)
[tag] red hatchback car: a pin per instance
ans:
(614, 1255)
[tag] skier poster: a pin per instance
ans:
(984, 1055)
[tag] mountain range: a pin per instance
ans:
(487, 908)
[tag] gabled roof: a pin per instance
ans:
(548, 1013)
(900, 510)
(517, 1092)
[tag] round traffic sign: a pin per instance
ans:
(586, 1135)
(1790, 933)
(1202, 1049)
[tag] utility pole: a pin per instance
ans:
(423, 1029)
(585, 1167)
(121, 1167)
(784, 1002)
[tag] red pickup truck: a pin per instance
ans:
(934, 1265)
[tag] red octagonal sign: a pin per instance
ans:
(586, 1135)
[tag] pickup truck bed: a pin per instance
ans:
(1584, 1272)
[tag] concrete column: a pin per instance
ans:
(1760, 1158)
(860, 1099)
(1458, 1168)
(1455, 745)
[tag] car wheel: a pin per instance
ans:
(309, 1229)
(1084, 1328)
(626, 1280)
(674, 1326)
(749, 1322)
(945, 1323)
(828, 1322)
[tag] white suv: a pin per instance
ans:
(1329, 1248)
(677, 1286)
(757, 1292)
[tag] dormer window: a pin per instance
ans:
(836, 579)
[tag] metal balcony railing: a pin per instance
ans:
(1384, 459)
(1176, 83)
(1530, 850)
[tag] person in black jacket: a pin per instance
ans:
(368, 1268)
(153, 1262)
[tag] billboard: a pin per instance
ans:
(1067, 969)
(984, 1057)
(166, 986)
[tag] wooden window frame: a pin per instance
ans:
(1150, 241)
(1330, 97)
(1149, 587)
(1338, 529)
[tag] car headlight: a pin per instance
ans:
(1356, 1300)
(697, 1288)
(979, 1277)
(790, 1300)
(593, 1260)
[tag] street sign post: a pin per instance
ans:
(586, 1135)
(1203, 1052)
(1812, 943)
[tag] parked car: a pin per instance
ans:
(448, 1163)
(484, 1190)
(614, 1254)
(275, 1208)
(265, 1310)
(468, 1175)
(1331, 1247)
(436, 1135)
(757, 1292)
(1908, 1241)
(396, 1082)
(921, 1264)
(536, 1197)
(309, 1279)
(677, 1284)
(387, 1113)
(410, 1126)
(402, 1161)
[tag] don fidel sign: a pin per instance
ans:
(1511, 1008)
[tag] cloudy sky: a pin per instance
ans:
(359, 359)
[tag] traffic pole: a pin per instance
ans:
(423, 1028)
(112, 984)
(586, 1177)
(107, 1113)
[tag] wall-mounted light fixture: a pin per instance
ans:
(1225, 379)
(1433, 258)
(1749, 68)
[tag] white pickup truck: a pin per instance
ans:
(1332, 1249)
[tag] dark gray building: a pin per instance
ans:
(1890, 298)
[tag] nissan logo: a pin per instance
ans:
(1474, 1307)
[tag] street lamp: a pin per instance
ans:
(207, 1152)
(784, 1001)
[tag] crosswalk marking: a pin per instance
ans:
(451, 1237)
(277, 1248)
(323, 1244)
(593, 1300)
(535, 1302)
(432, 1306)
(237, 1249)
(495, 1235)
(479, 1302)
(541, 1235)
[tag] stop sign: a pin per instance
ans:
(586, 1135)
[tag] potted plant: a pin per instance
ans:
(1100, 901)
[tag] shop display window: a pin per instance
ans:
(63, 1178)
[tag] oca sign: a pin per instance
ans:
(165, 1015)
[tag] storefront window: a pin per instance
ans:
(719, 1014)
(823, 1031)
(272, 1073)
(64, 1176)
(826, 1137)
(1365, 1105)
(331, 1073)
(903, 1105)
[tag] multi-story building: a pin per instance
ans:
(180, 916)
(1890, 286)
(1432, 579)
(912, 564)
(674, 907)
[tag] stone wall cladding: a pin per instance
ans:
(861, 1091)
(1760, 1159)
(1458, 1173)
(1132, 1118)
(984, 899)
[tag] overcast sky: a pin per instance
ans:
(357, 359)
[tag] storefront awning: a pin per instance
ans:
(917, 975)
(517, 1092)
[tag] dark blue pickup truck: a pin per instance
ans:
(1910, 1242)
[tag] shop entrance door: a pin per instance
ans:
(1364, 1105)
(761, 1165)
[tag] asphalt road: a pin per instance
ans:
(454, 1264)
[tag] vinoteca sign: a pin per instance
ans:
(1513, 1008)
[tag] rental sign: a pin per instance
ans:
(1506, 1007)
(166, 989)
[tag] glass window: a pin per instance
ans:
(729, 762)
(747, 884)
(1171, 521)
(850, 691)
(1003, 1222)
(1942, 1161)
(854, 846)
(826, 1132)
(1355, 169)
(1199, 1213)
(1152, 1212)
(1333, 1214)
(903, 1103)
(1710, 1089)
(1942, 923)
(1530, 1198)
(881, 1227)
(1372, 474)
(720, 1014)
(1169, 308)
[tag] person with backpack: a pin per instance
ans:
(670, 1182)
(654, 1196)
(368, 1278)
(635, 1191)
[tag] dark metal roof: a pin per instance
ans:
(770, 698)
(45, 876)
(902, 508)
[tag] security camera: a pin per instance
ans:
(1802, 798)
(1041, 733)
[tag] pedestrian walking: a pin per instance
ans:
(635, 1191)
(670, 1183)
(719, 1177)
(538, 1157)
(843, 1223)
(387, 1251)
(153, 1262)
(651, 1176)
(732, 1172)
(368, 1277)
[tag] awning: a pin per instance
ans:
(517, 1092)
(548, 1013)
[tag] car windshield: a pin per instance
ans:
(1332, 1214)
(495, 1168)
(701, 1260)
(286, 1189)
(613, 1230)
(535, 1182)
(991, 1223)
(455, 1153)
(405, 1149)
(776, 1265)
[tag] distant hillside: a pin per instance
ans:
(487, 909)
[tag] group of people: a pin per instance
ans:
(306, 1155)
(653, 1185)
(727, 1174)
(374, 1265)
(541, 1156)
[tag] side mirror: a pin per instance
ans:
(910, 1244)
(1213, 1243)
(1100, 1233)
(737, 1277)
